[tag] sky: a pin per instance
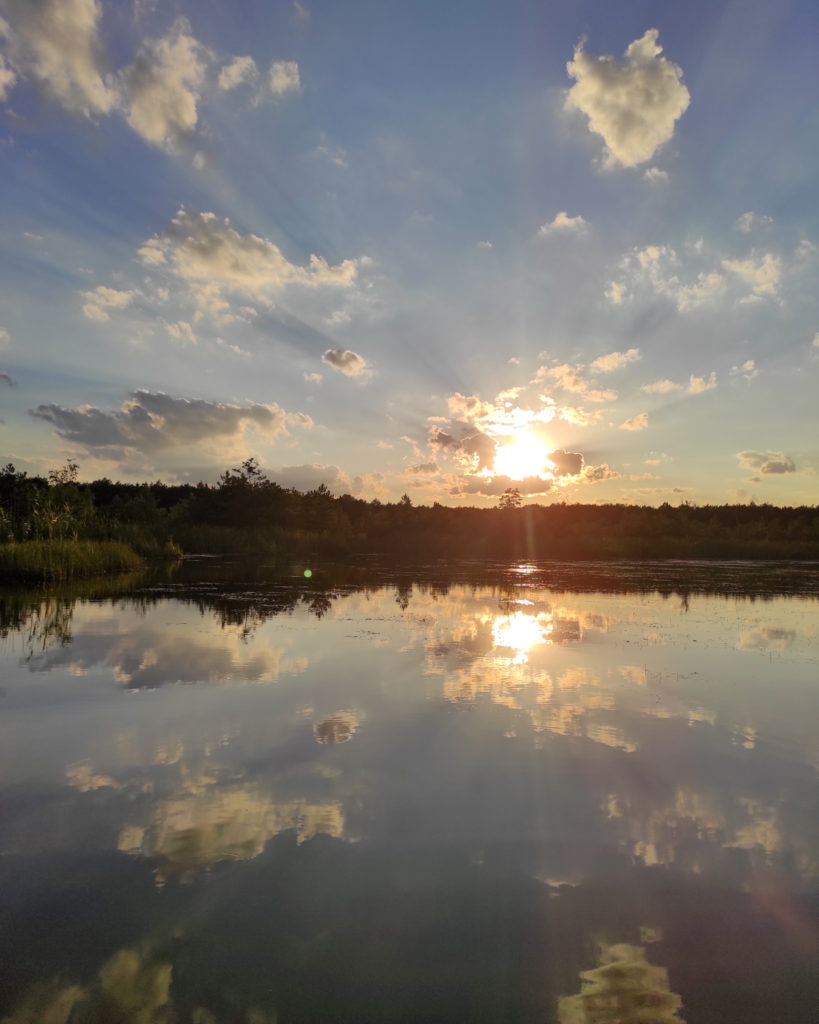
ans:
(441, 249)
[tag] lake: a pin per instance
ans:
(534, 793)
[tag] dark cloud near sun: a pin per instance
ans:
(349, 363)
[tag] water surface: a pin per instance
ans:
(525, 793)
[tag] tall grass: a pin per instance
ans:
(63, 559)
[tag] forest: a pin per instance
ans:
(58, 526)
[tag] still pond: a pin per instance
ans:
(459, 793)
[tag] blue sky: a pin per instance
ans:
(441, 249)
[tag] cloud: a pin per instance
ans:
(483, 245)
(661, 387)
(424, 468)
(658, 266)
(750, 220)
(654, 176)
(313, 378)
(181, 331)
(57, 41)
(615, 360)
(103, 298)
(695, 385)
(636, 422)
(5, 338)
(566, 463)
(210, 256)
(497, 485)
(239, 71)
(564, 224)
(349, 363)
(309, 476)
(632, 104)
(162, 86)
(748, 370)
(767, 462)
(7, 379)
(594, 474)
(7, 78)
(283, 77)
(570, 378)
(300, 12)
(814, 343)
(151, 422)
(761, 274)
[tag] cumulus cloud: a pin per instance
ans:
(5, 337)
(658, 266)
(483, 244)
(633, 104)
(748, 370)
(150, 422)
(497, 485)
(57, 42)
(570, 378)
(103, 298)
(766, 462)
(349, 363)
(7, 379)
(762, 274)
(594, 474)
(695, 385)
(162, 86)
(814, 343)
(424, 468)
(239, 71)
(211, 256)
(661, 387)
(564, 224)
(566, 463)
(615, 360)
(283, 77)
(636, 422)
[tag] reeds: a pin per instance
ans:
(63, 559)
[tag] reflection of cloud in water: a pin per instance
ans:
(147, 656)
(338, 728)
(194, 830)
(766, 638)
(624, 989)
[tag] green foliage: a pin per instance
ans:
(63, 559)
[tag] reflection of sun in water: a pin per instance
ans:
(523, 455)
(521, 632)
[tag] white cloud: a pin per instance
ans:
(634, 103)
(696, 385)
(564, 224)
(313, 378)
(761, 274)
(239, 71)
(815, 342)
(57, 41)
(654, 176)
(767, 462)
(616, 293)
(5, 338)
(658, 266)
(284, 77)
(750, 220)
(103, 298)
(636, 422)
(162, 86)
(661, 387)
(615, 360)
(484, 245)
(211, 256)
(349, 363)
(748, 370)
(707, 286)
(181, 331)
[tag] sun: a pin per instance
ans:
(522, 456)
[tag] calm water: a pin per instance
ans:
(513, 794)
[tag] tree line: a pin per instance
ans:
(246, 512)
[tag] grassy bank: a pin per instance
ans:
(37, 560)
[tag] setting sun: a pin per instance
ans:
(522, 456)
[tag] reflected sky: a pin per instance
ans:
(512, 796)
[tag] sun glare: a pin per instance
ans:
(521, 632)
(522, 456)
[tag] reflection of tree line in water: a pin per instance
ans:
(246, 512)
(244, 594)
